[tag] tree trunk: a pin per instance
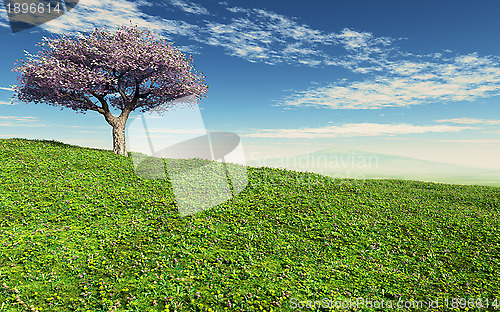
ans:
(119, 146)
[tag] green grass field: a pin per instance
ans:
(79, 231)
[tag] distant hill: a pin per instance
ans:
(351, 163)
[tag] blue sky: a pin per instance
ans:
(412, 78)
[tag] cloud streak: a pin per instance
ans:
(470, 121)
(16, 121)
(482, 141)
(353, 130)
(17, 118)
(190, 7)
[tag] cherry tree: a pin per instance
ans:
(129, 69)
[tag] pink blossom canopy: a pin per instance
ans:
(129, 69)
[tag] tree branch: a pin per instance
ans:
(122, 93)
(82, 99)
(136, 93)
(104, 105)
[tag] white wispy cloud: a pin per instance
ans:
(355, 41)
(6, 103)
(178, 131)
(16, 121)
(90, 131)
(114, 13)
(250, 45)
(353, 130)
(6, 89)
(493, 141)
(257, 36)
(190, 7)
(234, 9)
(4, 23)
(265, 36)
(17, 118)
(409, 82)
(470, 121)
(4, 19)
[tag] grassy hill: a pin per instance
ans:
(79, 231)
